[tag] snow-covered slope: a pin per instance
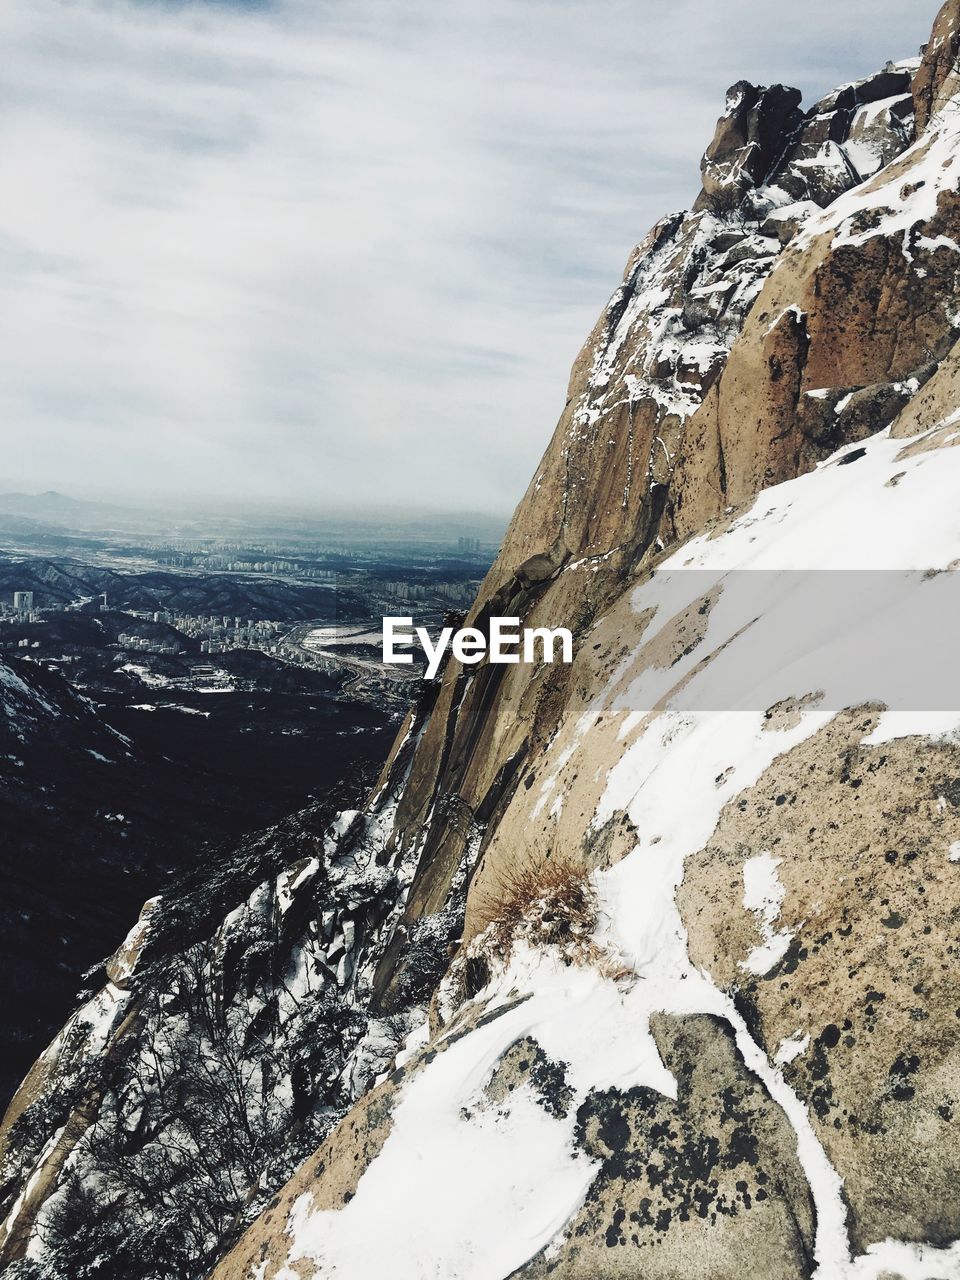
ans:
(230, 1036)
(702, 1018)
(601, 1142)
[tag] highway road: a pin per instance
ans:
(368, 673)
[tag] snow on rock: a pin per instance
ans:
(899, 197)
(515, 1160)
(763, 894)
(677, 769)
(892, 725)
(123, 963)
(791, 1048)
(907, 1261)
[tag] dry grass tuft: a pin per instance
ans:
(551, 903)
(546, 903)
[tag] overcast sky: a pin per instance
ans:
(346, 250)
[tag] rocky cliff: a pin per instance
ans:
(647, 965)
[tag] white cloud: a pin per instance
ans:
(346, 249)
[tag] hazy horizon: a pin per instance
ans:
(298, 254)
(490, 525)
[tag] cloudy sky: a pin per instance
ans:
(346, 250)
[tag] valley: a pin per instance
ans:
(173, 710)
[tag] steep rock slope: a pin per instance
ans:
(733, 1048)
(723, 364)
(757, 1074)
(639, 1059)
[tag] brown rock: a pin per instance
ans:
(749, 139)
(709, 1185)
(862, 838)
(937, 80)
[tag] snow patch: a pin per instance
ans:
(906, 1261)
(513, 1159)
(763, 894)
(790, 1048)
(940, 725)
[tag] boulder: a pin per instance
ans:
(862, 1006)
(688, 1187)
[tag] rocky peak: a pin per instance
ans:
(763, 140)
(749, 140)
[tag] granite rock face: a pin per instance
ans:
(861, 838)
(750, 137)
(721, 1155)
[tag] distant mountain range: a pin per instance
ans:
(52, 505)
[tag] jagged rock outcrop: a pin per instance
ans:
(848, 136)
(936, 82)
(749, 139)
(702, 1017)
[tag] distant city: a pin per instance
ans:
(215, 633)
(80, 582)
